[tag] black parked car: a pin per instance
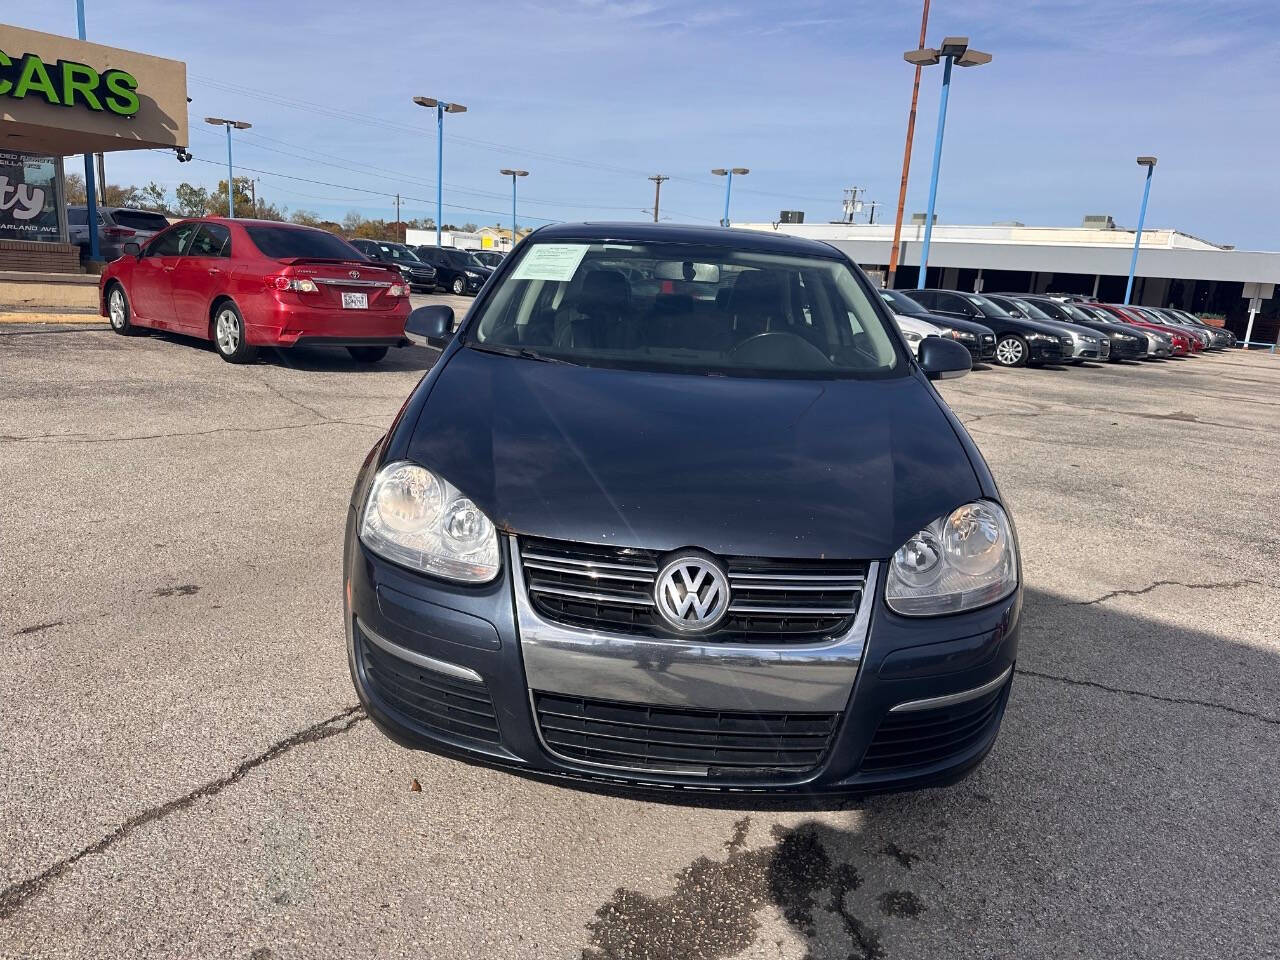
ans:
(727, 538)
(459, 272)
(1086, 343)
(419, 275)
(978, 339)
(1019, 341)
(1127, 342)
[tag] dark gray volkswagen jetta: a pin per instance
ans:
(676, 508)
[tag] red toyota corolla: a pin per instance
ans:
(246, 284)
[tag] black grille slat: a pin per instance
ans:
(604, 587)
(698, 742)
(429, 699)
(920, 738)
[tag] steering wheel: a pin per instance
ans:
(778, 347)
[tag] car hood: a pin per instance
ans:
(737, 466)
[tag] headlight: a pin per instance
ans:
(964, 560)
(1040, 336)
(955, 334)
(472, 275)
(913, 339)
(419, 520)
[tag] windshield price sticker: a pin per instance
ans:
(551, 261)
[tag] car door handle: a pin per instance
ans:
(214, 271)
(168, 269)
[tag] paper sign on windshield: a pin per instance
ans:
(551, 261)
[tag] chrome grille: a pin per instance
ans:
(611, 588)
(1104, 349)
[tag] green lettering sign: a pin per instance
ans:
(34, 77)
(69, 84)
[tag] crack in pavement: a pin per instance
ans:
(1127, 691)
(13, 897)
(287, 399)
(52, 438)
(1226, 584)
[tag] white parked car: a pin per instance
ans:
(915, 330)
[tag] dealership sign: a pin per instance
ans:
(69, 84)
(28, 197)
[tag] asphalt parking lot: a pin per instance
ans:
(184, 770)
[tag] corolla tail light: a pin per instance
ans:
(296, 284)
(398, 291)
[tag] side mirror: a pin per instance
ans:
(132, 249)
(433, 326)
(944, 359)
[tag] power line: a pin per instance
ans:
(312, 107)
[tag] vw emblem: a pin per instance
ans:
(691, 593)
(354, 274)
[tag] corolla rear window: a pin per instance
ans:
(284, 243)
(687, 308)
(140, 220)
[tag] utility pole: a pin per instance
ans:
(397, 211)
(852, 205)
(658, 179)
(906, 158)
(874, 204)
(253, 196)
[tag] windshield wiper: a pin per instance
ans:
(524, 352)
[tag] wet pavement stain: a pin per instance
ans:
(711, 913)
(37, 628)
(900, 903)
(185, 590)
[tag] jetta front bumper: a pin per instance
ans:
(475, 672)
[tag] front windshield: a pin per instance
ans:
(901, 303)
(1031, 310)
(397, 252)
(686, 308)
(989, 308)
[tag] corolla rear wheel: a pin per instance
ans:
(459, 286)
(118, 312)
(367, 354)
(228, 335)
(1011, 351)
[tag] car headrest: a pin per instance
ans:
(604, 290)
(758, 292)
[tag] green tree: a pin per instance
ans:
(154, 197)
(217, 204)
(192, 201)
(75, 189)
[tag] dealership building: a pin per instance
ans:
(1174, 268)
(61, 97)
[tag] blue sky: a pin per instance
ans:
(591, 96)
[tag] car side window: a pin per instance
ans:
(212, 240)
(172, 242)
(77, 218)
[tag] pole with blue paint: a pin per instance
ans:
(90, 181)
(1150, 164)
(513, 210)
(231, 179)
(439, 169)
(728, 189)
(933, 176)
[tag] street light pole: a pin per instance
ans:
(1150, 164)
(728, 187)
(954, 50)
(513, 174)
(441, 109)
(231, 179)
(90, 185)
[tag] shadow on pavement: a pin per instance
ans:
(1126, 819)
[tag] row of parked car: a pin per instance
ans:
(1022, 329)
(429, 268)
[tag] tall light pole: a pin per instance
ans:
(953, 50)
(90, 187)
(906, 158)
(1150, 164)
(231, 179)
(441, 109)
(513, 174)
(728, 187)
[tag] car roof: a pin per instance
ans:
(757, 240)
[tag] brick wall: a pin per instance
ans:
(35, 257)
